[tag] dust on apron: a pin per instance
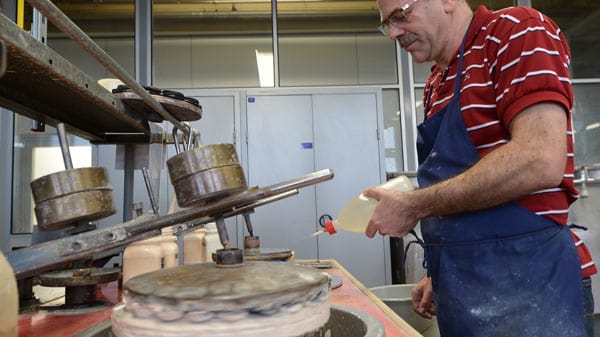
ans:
(502, 271)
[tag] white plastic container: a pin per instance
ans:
(212, 243)
(194, 250)
(143, 257)
(170, 248)
(9, 310)
(355, 215)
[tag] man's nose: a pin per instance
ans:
(395, 32)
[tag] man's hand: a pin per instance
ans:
(395, 214)
(422, 298)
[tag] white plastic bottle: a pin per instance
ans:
(193, 247)
(355, 215)
(143, 257)
(9, 310)
(212, 242)
(170, 248)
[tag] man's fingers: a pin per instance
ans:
(371, 193)
(371, 230)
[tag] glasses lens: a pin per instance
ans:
(383, 28)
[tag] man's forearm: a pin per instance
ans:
(533, 160)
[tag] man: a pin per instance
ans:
(495, 169)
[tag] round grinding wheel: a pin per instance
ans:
(263, 254)
(70, 278)
(204, 300)
(267, 254)
(66, 197)
(206, 173)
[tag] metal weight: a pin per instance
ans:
(64, 198)
(206, 173)
(67, 197)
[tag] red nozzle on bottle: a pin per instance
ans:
(329, 227)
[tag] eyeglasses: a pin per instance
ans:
(396, 18)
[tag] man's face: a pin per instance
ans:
(413, 24)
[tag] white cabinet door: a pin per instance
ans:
(345, 127)
(292, 135)
(280, 147)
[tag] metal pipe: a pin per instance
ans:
(64, 145)
(190, 226)
(223, 235)
(128, 176)
(248, 222)
(2, 58)
(150, 190)
(62, 22)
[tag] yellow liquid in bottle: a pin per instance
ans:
(355, 215)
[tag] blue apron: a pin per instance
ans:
(502, 271)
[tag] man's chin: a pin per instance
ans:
(417, 57)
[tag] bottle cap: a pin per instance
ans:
(329, 227)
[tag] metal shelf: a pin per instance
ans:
(42, 85)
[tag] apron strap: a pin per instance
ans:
(419, 242)
(578, 227)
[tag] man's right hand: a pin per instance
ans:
(422, 298)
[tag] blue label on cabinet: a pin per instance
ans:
(307, 145)
(251, 99)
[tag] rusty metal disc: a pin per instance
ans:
(267, 254)
(69, 181)
(251, 286)
(209, 185)
(263, 254)
(206, 173)
(71, 278)
(67, 197)
(200, 159)
(65, 211)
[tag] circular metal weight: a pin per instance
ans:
(69, 181)
(206, 173)
(66, 197)
(62, 212)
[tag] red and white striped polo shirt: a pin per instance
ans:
(513, 58)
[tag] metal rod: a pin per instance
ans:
(150, 191)
(248, 222)
(222, 229)
(190, 226)
(261, 202)
(62, 22)
(30, 261)
(128, 182)
(2, 58)
(61, 130)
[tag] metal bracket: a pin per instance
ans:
(2, 58)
